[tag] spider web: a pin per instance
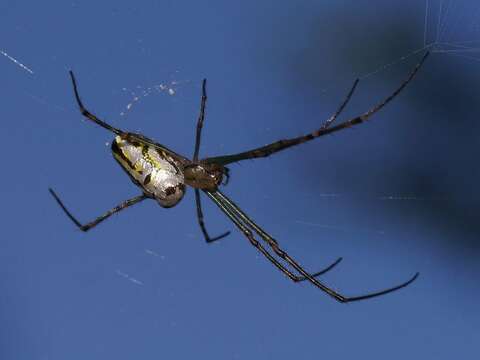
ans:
(141, 92)
(451, 27)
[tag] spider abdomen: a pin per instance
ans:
(156, 172)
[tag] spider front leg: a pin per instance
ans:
(232, 210)
(319, 273)
(249, 235)
(88, 226)
(246, 231)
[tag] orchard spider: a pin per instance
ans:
(162, 175)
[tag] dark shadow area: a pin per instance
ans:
(435, 122)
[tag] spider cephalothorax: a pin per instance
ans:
(162, 175)
(204, 176)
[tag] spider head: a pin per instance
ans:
(204, 176)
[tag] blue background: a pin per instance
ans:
(394, 196)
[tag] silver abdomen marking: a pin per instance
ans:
(156, 172)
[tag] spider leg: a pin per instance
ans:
(321, 272)
(232, 208)
(332, 118)
(88, 226)
(293, 277)
(201, 118)
(198, 136)
(246, 231)
(88, 114)
(280, 145)
(208, 239)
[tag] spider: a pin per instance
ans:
(162, 175)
